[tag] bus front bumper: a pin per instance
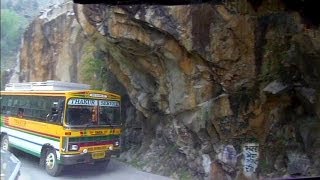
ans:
(79, 159)
(68, 159)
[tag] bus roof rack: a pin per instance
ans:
(49, 85)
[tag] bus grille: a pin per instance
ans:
(100, 141)
(93, 139)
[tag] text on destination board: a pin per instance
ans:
(109, 103)
(87, 102)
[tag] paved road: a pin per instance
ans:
(30, 170)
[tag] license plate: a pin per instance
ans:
(98, 155)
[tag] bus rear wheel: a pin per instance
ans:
(51, 163)
(5, 143)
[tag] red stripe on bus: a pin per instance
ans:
(84, 144)
(6, 120)
(34, 131)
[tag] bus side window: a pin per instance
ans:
(53, 116)
(4, 104)
(20, 112)
(3, 109)
(10, 101)
(56, 110)
(13, 103)
(9, 105)
(28, 112)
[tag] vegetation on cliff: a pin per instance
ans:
(93, 69)
(12, 27)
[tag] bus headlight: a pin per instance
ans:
(73, 147)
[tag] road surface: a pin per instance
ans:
(30, 170)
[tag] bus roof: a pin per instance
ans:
(84, 93)
(49, 85)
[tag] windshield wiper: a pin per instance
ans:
(88, 125)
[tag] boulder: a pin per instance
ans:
(276, 87)
(298, 163)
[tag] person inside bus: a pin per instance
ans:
(20, 112)
(94, 115)
(85, 116)
(54, 115)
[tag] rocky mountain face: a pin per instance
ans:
(22, 12)
(28, 9)
(53, 46)
(211, 91)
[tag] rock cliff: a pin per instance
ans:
(53, 46)
(226, 90)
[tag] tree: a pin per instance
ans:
(12, 26)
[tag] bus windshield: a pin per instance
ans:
(84, 112)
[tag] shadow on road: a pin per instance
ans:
(69, 172)
(88, 170)
(31, 170)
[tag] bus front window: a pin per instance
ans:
(109, 112)
(109, 116)
(83, 112)
(80, 115)
(80, 111)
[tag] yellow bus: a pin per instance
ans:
(62, 127)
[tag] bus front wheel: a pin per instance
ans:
(51, 163)
(5, 143)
